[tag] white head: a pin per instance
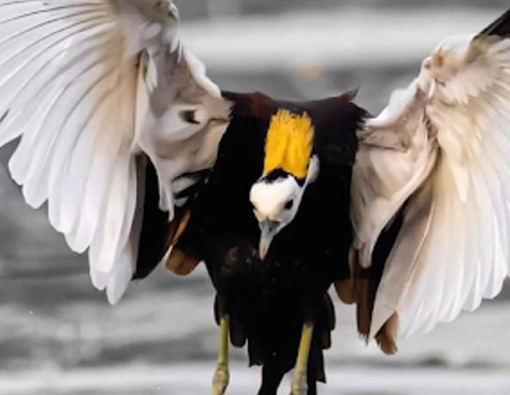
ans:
(288, 168)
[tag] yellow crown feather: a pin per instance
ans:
(289, 143)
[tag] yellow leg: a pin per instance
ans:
(222, 375)
(300, 377)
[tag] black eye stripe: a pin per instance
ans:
(279, 174)
(275, 175)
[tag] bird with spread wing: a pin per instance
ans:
(143, 159)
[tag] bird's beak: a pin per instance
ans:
(267, 233)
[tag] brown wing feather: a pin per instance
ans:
(361, 289)
(158, 234)
(252, 105)
(337, 120)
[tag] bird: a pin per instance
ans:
(143, 160)
(272, 289)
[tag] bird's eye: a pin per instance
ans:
(289, 204)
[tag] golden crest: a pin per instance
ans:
(289, 143)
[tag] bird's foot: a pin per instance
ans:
(299, 384)
(220, 380)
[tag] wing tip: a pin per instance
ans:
(116, 291)
(500, 27)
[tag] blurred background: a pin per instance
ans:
(59, 336)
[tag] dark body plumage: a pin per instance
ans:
(268, 301)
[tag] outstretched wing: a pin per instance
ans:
(90, 87)
(452, 249)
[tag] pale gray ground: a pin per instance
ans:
(59, 336)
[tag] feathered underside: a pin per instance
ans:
(436, 159)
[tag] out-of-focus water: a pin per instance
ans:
(194, 379)
(62, 338)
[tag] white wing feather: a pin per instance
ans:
(394, 157)
(83, 84)
(453, 248)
